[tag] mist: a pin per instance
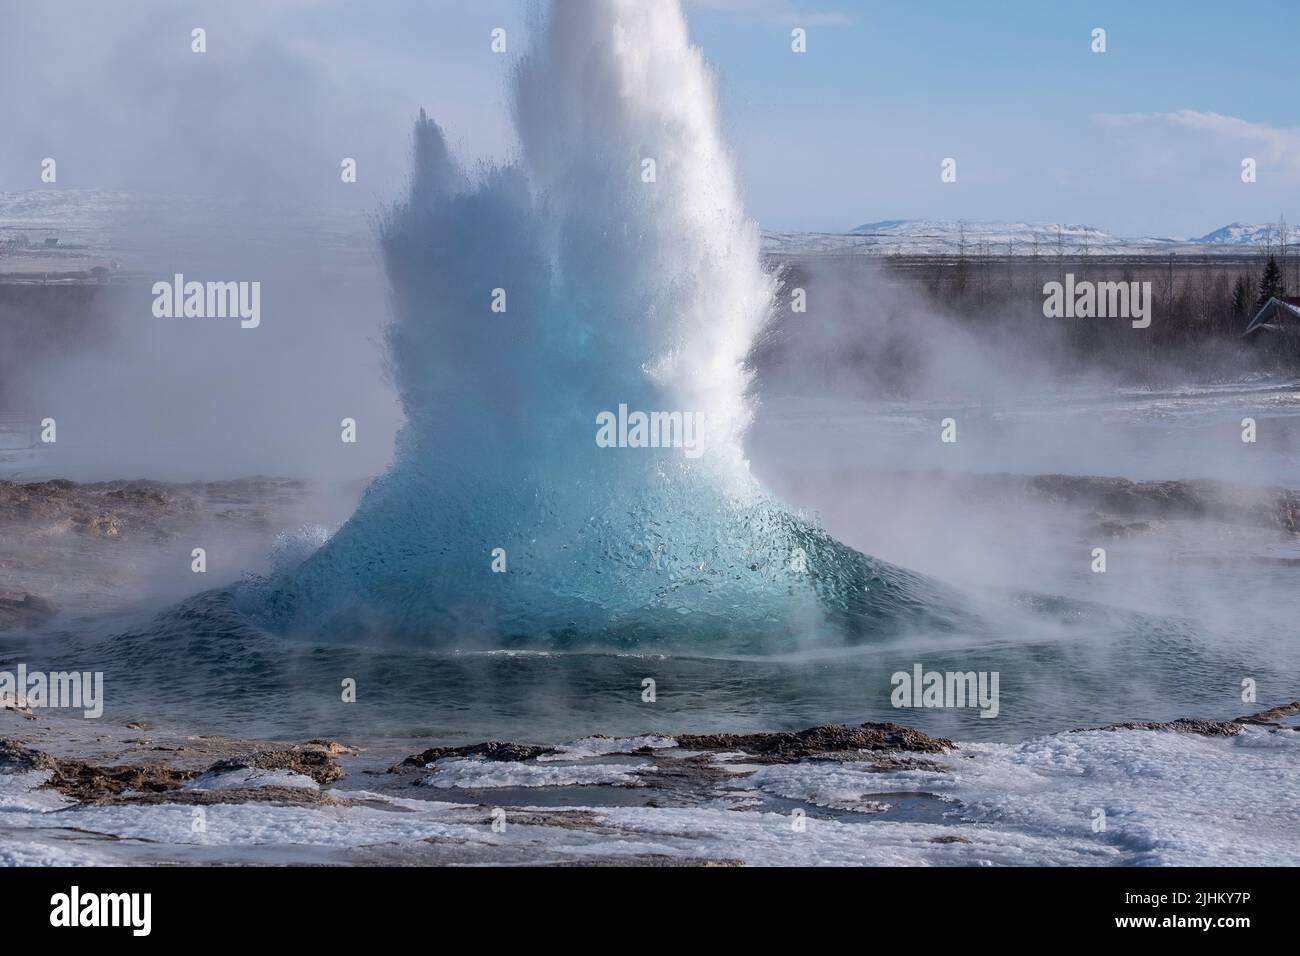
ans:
(222, 166)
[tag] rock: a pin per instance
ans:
(1185, 725)
(789, 746)
(330, 746)
(1120, 529)
(152, 782)
(310, 759)
(124, 509)
(770, 747)
(490, 750)
(1120, 507)
(1274, 715)
(567, 819)
(1209, 728)
(87, 782)
(17, 757)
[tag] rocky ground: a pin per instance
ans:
(53, 533)
(85, 547)
(1118, 507)
(77, 791)
(87, 791)
(138, 509)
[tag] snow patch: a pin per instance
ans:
(471, 773)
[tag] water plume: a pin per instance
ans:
(625, 273)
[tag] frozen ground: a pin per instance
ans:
(105, 792)
(1101, 797)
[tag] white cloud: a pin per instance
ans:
(1274, 145)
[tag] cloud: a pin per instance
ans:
(1276, 146)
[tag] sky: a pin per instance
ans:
(1146, 138)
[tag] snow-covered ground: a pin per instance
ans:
(1104, 797)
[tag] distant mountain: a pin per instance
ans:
(950, 237)
(987, 231)
(98, 220)
(1241, 234)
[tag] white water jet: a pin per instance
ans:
(613, 266)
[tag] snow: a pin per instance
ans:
(603, 746)
(472, 773)
(248, 778)
(1240, 233)
(950, 236)
(86, 216)
(19, 793)
(1168, 799)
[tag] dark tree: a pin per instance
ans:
(1240, 296)
(1270, 283)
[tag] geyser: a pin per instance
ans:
(611, 288)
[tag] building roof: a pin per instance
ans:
(1275, 313)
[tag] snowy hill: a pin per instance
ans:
(96, 220)
(139, 231)
(919, 237)
(1242, 234)
(75, 216)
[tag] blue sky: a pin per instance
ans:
(855, 128)
(1146, 138)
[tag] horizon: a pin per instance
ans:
(1152, 131)
(1155, 235)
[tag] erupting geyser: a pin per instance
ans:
(612, 268)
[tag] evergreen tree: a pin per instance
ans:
(1270, 283)
(1240, 296)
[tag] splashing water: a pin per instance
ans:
(625, 273)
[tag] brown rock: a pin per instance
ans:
(490, 750)
(789, 746)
